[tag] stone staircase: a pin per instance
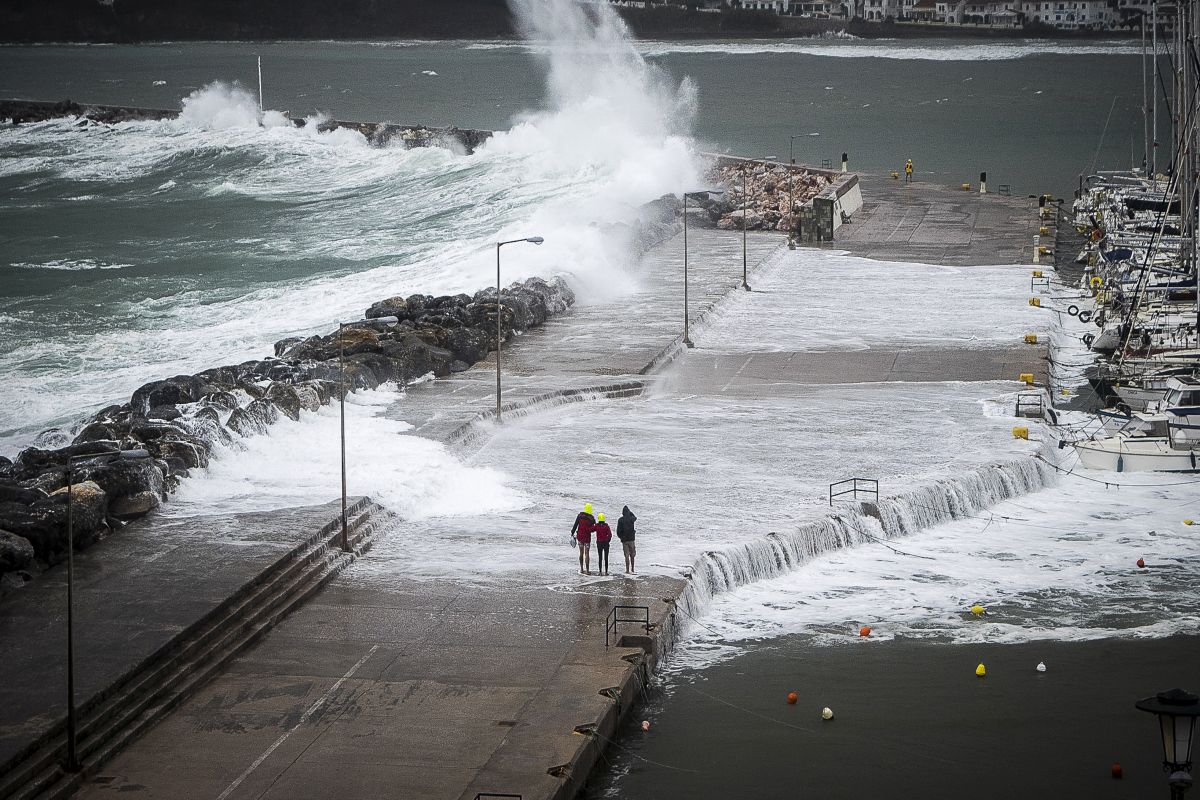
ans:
(117, 715)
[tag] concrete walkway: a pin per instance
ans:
(442, 689)
(934, 224)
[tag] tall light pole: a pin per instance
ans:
(687, 341)
(72, 720)
(342, 404)
(531, 240)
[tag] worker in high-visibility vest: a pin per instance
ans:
(908, 171)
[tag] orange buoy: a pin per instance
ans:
(1117, 772)
(792, 698)
(1141, 562)
(645, 724)
(865, 630)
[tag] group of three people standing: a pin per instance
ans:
(581, 535)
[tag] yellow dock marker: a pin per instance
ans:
(1031, 338)
(981, 671)
(1021, 432)
(1026, 378)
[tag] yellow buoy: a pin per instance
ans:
(1036, 302)
(1188, 522)
(966, 187)
(1031, 338)
(978, 610)
(1045, 250)
(1043, 231)
(896, 175)
(1037, 273)
(981, 670)
(1021, 432)
(1026, 378)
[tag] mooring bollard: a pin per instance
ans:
(983, 183)
(845, 162)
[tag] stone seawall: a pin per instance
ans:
(380, 134)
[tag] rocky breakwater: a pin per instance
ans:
(181, 421)
(772, 198)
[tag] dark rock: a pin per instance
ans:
(468, 345)
(225, 378)
(220, 400)
(164, 413)
(172, 391)
(282, 345)
(10, 493)
(180, 450)
(120, 477)
(392, 307)
(98, 431)
(254, 418)
(324, 390)
(459, 366)
(285, 398)
(15, 552)
(134, 505)
(44, 524)
(251, 388)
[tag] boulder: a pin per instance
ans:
(222, 401)
(166, 413)
(282, 345)
(391, 307)
(134, 505)
(310, 398)
(181, 451)
(12, 493)
(100, 431)
(172, 391)
(253, 419)
(15, 552)
(123, 476)
(285, 398)
(468, 345)
(353, 340)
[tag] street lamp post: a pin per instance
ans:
(745, 210)
(687, 341)
(342, 404)
(72, 720)
(532, 240)
(1177, 711)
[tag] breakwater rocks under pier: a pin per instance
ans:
(179, 421)
(761, 195)
(380, 134)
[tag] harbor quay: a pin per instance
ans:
(394, 678)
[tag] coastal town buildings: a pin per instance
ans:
(1066, 15)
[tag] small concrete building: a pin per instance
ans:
(924, 10)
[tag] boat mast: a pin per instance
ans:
(1154, 89)
(1145, 109)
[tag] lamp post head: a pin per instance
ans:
(1177, 711)
(695, 192)
(535, 239)
(134, 455)
(386, 320)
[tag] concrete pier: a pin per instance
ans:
(386, 684)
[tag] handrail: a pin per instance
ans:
(614, 617)
(869, 487)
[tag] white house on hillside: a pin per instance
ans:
(1070, 15)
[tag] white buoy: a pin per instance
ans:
(1041, 667)
(826, 713)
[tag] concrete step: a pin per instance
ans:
(123, 711)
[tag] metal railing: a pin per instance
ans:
(1031, 405)
(853, 487)
(615, 617)
(485, 795)
(1039, 284)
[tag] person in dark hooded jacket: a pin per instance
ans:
(625, 533)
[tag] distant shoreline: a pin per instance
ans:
(59, 22)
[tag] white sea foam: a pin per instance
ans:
(412, 476)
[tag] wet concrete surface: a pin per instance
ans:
(134, 591)
(441, 689)
(933, 224)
